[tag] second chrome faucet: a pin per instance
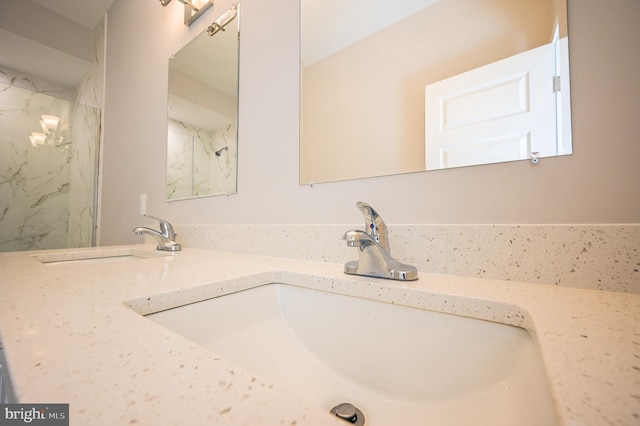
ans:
(374, 255)
(166, 238)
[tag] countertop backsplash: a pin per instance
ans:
(589, 256)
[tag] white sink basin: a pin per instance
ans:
(96, 256)
(398, 365)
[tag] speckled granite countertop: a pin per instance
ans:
(73, 334)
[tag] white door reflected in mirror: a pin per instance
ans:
(503, 111)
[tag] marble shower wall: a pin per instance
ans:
(193, 168)
(48, 193)
(90, 91)
(89, 99)
(83, 166)
(40, 186)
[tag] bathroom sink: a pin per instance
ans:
(96, 256)
(398, 365)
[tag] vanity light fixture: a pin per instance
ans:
(193, 9)
(223, 21)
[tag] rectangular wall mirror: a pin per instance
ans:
(418, 85)
(202, 142)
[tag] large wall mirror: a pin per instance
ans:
(203, 113)
(417, 85)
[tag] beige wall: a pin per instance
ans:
(598, 184)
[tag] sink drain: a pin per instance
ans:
(349, 413)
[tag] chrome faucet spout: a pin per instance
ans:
(374, 259)
(374, 225)
(358, 238)
(143, 230)
(166, 237)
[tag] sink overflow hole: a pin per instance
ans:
(349, 413)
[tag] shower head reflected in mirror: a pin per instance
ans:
(219, 152)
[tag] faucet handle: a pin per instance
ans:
(374, 225)
(165, 227)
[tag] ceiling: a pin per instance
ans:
(87, 13)
(26, 44)
(331, 25)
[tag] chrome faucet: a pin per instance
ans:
(374, 256)
(166, 238)
(374, 225)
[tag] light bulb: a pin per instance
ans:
(199, 3)
(37, 139)
(49, 122)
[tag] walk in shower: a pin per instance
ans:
(48, 171)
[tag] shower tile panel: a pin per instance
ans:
(37, 207)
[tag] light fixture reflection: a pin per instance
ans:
(49, 135)
(37, 139)
(49, 123)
